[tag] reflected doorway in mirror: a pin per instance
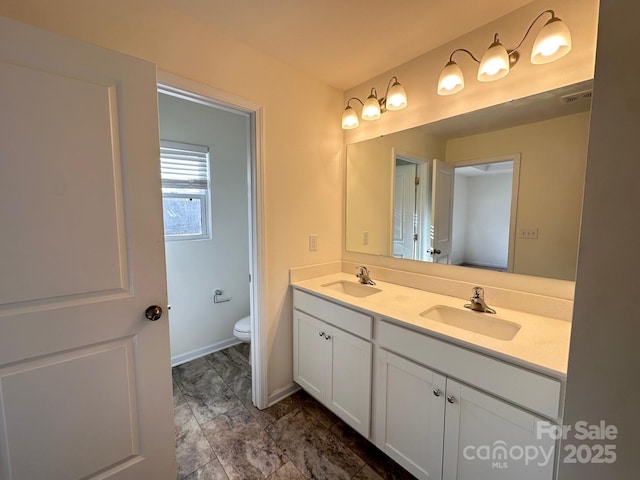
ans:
(483, 224)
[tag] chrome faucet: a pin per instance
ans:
(477, 302)
(363, 276)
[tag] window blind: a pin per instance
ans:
(184, 165)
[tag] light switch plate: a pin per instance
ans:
(528, 233)
(313, 242)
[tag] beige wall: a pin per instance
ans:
(369, 186)
(301, 151)
(603, 382)
(552, 164)
(420, 76)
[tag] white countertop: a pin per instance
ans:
(541, 344)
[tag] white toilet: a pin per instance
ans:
(242, 329)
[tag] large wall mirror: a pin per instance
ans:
(499, 188)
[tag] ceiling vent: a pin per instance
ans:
(577, 97)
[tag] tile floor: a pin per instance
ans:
(220, 435)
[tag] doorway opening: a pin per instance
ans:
(484, 208)
(214, 281)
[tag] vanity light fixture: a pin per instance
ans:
(552, 43)
(395, 98)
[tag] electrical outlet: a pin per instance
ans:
(365, 238)
(528, 233)
(313, 242)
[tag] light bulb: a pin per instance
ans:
(552, 43)
(350, 118)
(451, 79)
(396, 98)
(495, 63)
(371, 108)
(548, 47)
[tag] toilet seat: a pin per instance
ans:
(242, 329)
(243, 325)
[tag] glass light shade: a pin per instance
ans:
(494, 64)
(451, 79)
(396, 98)
(371, 108)
(350, 118)
(552, 43)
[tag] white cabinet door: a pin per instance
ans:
(85, 379)
(488, 439)
(335, 367)
(410, 405)
(311, 355)
(350, 393)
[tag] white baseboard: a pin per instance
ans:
(485, 265)
(201, 352)
(283, 392)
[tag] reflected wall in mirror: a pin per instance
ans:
(499, 188)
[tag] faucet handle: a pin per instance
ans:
(478, 292)
(477, 301)
(363, 275)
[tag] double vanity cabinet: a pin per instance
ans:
(438, 406)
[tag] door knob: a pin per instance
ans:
(153, 313)
(435, 251)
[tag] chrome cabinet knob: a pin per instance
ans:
(327, 337)
(153, 313)
(321, 334)
(451, 399)
(436, 392)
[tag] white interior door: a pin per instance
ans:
(441, 211)
(85, 386)
(404, 211)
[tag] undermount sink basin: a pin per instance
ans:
(352, 288)
(478, 322)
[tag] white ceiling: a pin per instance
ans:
(344, 42)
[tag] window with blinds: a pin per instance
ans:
(185, 190)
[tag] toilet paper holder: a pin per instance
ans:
(217, 296)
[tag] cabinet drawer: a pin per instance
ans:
(531, 390)
(358, 323)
